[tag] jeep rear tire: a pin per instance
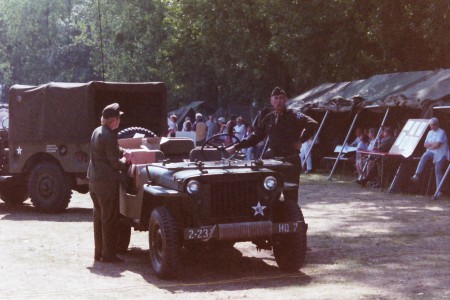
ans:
(14, 191)
(289, 249)
(131, 131)
(164, 243)
(49, 188)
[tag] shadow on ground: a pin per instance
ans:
(27, 212)
(203, 271)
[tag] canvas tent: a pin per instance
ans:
(409, 91)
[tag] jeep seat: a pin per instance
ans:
(176, 149)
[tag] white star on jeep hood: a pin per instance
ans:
(19, 150)
(259, 209)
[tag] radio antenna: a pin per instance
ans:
(101, 40)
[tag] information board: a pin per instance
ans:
(409, 137)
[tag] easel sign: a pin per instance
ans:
(409, 137)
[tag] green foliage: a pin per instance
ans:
(221, 51)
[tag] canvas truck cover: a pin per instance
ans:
(69, 112)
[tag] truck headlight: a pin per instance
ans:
(270, 183)
(193, 187)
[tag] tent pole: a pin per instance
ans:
(438, 189)
(383, 122)
(376, 138)
(343, 146)
(315, 138)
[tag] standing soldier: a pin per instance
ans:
(286, 131)
(105, 173)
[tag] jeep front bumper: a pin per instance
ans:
(243, 231)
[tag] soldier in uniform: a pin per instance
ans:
(105, 172)
(286, 131)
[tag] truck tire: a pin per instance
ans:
(123, 238)
(164, 243)
(131, 131)
(14, 191)
(289, 249)
(49, 188)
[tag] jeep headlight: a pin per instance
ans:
(193, 186)
(270, 183)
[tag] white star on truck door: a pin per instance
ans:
(259, 209)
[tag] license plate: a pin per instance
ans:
(200, 233)
(286, 227)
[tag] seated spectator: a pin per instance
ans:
(373, 169)
(364, 158)
(436, 145)
(358, 133)
(372, 139)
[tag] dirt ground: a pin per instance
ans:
(365, 244)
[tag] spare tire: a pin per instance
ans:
(131, 131)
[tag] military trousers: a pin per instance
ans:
(292, 175)
(105, 197)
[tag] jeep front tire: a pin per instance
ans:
(164, 243)
(289, 249)
(49, 188)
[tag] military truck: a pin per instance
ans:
(44, 152)
(210, 200)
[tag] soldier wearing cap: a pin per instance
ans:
(105, 170)
(286, 130)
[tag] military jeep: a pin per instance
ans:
(210, 200)
(44, 154)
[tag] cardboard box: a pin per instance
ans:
(132, 143)
(142, 156)
(152, 143)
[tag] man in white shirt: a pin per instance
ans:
(240, 129)
(436, 144)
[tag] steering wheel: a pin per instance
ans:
(220, 146)
(5, 123)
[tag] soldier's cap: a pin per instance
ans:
(112, 110)
(278, 91)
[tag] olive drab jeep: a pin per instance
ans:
(44, 154)
(208, 200)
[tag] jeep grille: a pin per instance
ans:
(232, 199)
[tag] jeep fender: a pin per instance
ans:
(181, 205)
